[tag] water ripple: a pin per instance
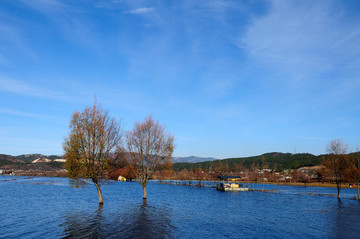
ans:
(49, 208)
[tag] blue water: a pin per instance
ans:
(348, 193)
(50, 208)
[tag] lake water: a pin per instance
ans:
(50, 208)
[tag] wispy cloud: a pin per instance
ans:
(17, 87)
(301, 39)
(26, 114)
(348, 38)
(73, 92)
(12, 40)
(141, 10)
(45, 6)
(105, 4)
(71, 21)
(218, 87)
(21, 88)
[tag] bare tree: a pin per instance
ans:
(254, 171)
(353, 171)
(238, 167)
(88, 148)
(304, 178)
(357, 172)
(337, 161)
(149, 147)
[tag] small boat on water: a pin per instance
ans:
(228, 184)
(231, 187)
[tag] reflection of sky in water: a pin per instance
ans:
(349, 193)
(48, 207)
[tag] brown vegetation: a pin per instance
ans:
(337, 162)
(149, 149)
(41, 173)
(89, 147)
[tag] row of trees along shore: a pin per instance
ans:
(97, 149)
(95, 146)
(338, 166)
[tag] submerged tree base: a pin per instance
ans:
(101, 200)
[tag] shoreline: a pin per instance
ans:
(324, 185)
(313, 184)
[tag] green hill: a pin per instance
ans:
(23, 162)
(9, 160)
(278, 161)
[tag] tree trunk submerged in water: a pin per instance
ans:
(101, 201)
(338, 185)
(144, 192)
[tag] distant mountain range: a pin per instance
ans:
(28, 162)
(192, 159)
(274, 160)
(26, 158)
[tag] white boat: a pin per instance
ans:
(230, 187)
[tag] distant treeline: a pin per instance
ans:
(276, 161)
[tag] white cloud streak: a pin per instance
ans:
(302, 39)
(73, 92)
(45, 6)
(71, 21)
(12, 40)
(24, 89)
(21, 88)
(26, 114)
(141, 10)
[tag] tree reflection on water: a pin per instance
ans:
(136, 221)
(84, 225)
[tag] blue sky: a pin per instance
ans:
(227, 78)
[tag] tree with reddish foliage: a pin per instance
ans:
(238, 167)
(122, 166)
(166, 171)
(337, 162)
(198, 173)
(353, 171)
(127, 172)
(89, 147)
(183, 174)
(304, 178)
(149, 147)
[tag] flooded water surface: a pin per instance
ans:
(50, 208)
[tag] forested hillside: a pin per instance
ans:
(277, 161)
